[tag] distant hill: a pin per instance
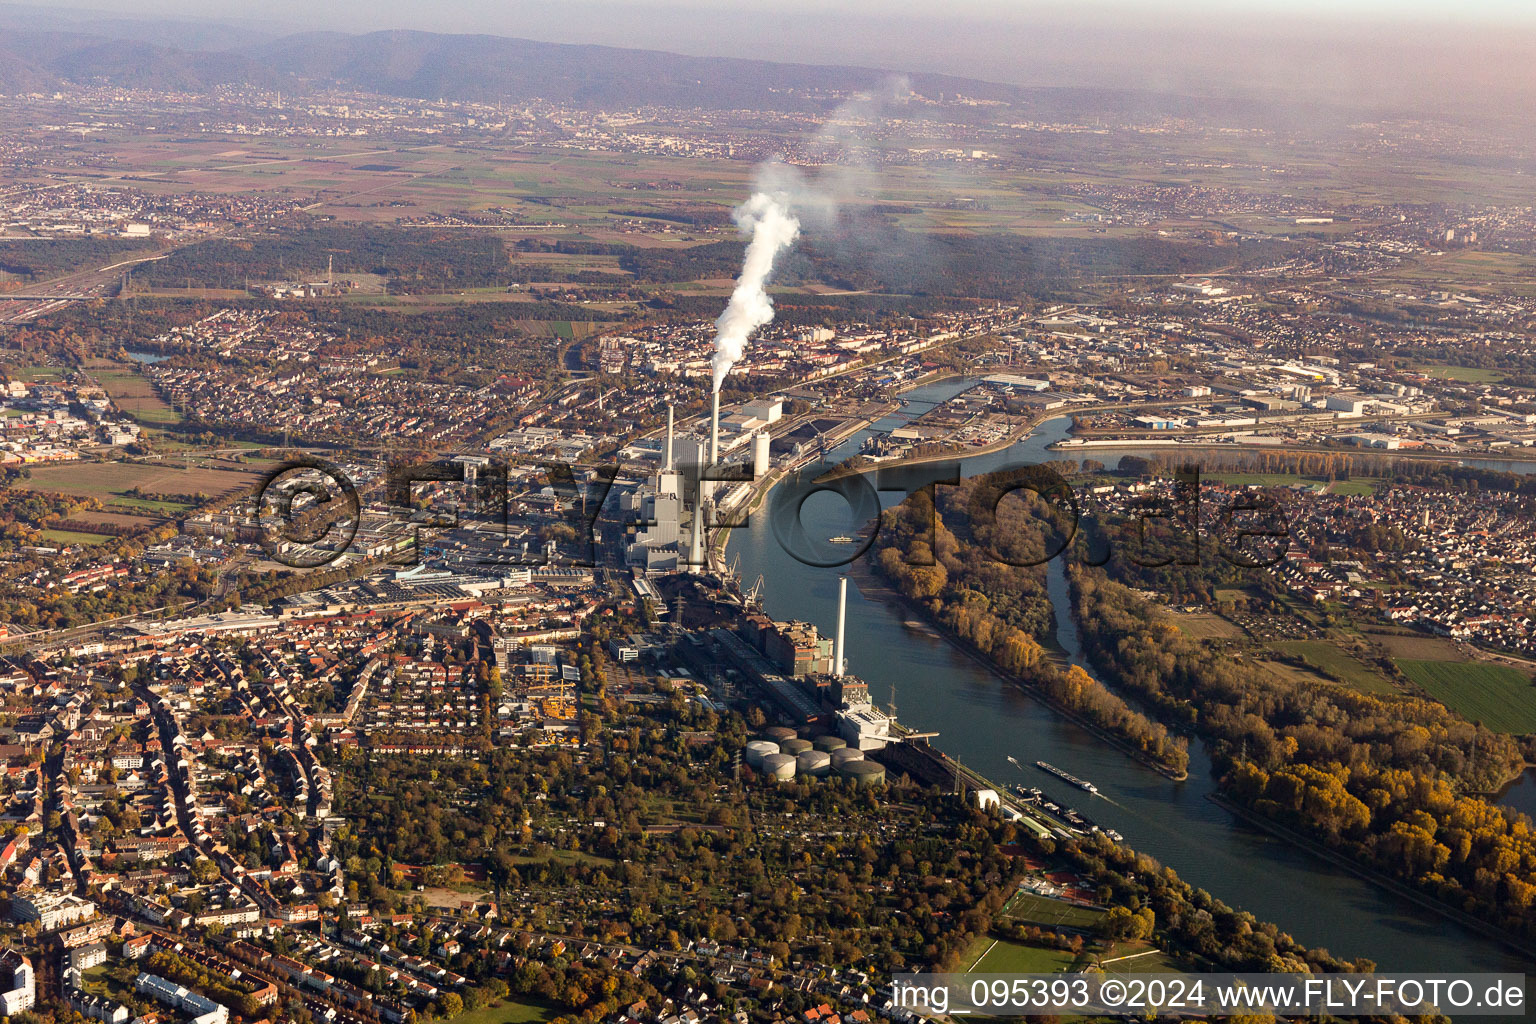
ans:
(41, 51)
(32, 61)
(488, 68)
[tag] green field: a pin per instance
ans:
(1465, 374)
(32, 374)
(1358, 486)
(1331, 660)
(1015, 958)
(150, 505)
(1263, 480)
(509, 1011)
(1146, 963)
(1027, 906)
(1500, 697)
(74, 537)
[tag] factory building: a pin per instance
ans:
(675, 505)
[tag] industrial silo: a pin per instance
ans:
(828, 744)
(796, 747)
(779, 734)
(814, 763)
(845, 755)
(863, 773)
(779, 767)
(759, 749)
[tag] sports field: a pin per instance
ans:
(1501, 697)
(1026, 906)
(1003, 957)
(74, 537)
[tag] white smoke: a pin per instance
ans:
(766, 218)
(783, 197)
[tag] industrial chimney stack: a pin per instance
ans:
(842, 618)
(667, 457)
(714, 431)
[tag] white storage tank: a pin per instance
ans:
(846, 755)
(759, 749)
(815, 763)
(779, 767)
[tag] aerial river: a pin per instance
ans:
(982, 719)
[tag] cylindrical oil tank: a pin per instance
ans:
(828, 744)
(863, 773)
(779, 734)
(814, 763)
(796, 747)
(846, 755)
(779, 767)
(759, 749)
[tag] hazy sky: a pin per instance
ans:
(463, 15)
(1426, 53)
(503, 16)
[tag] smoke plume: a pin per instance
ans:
(766, 218)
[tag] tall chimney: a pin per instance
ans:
(696, 536)
(714, 431)
(842, 618)
(667, 457)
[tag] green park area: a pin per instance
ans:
(509, 1011)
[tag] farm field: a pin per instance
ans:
(109, 480)
(1417, 646)
(1501, 697)
(136, 396)
(1206, 626)
(1468, 269)
(116, 520)
(1335, 662)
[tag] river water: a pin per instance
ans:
(982, 719)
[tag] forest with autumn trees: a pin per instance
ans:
(975, 565)
(1394, 782)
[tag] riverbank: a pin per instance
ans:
(1373, 876)
(942, 689)
(872, 585)
(1161, 445)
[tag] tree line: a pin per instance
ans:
(964, 563)
(1393, 782)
